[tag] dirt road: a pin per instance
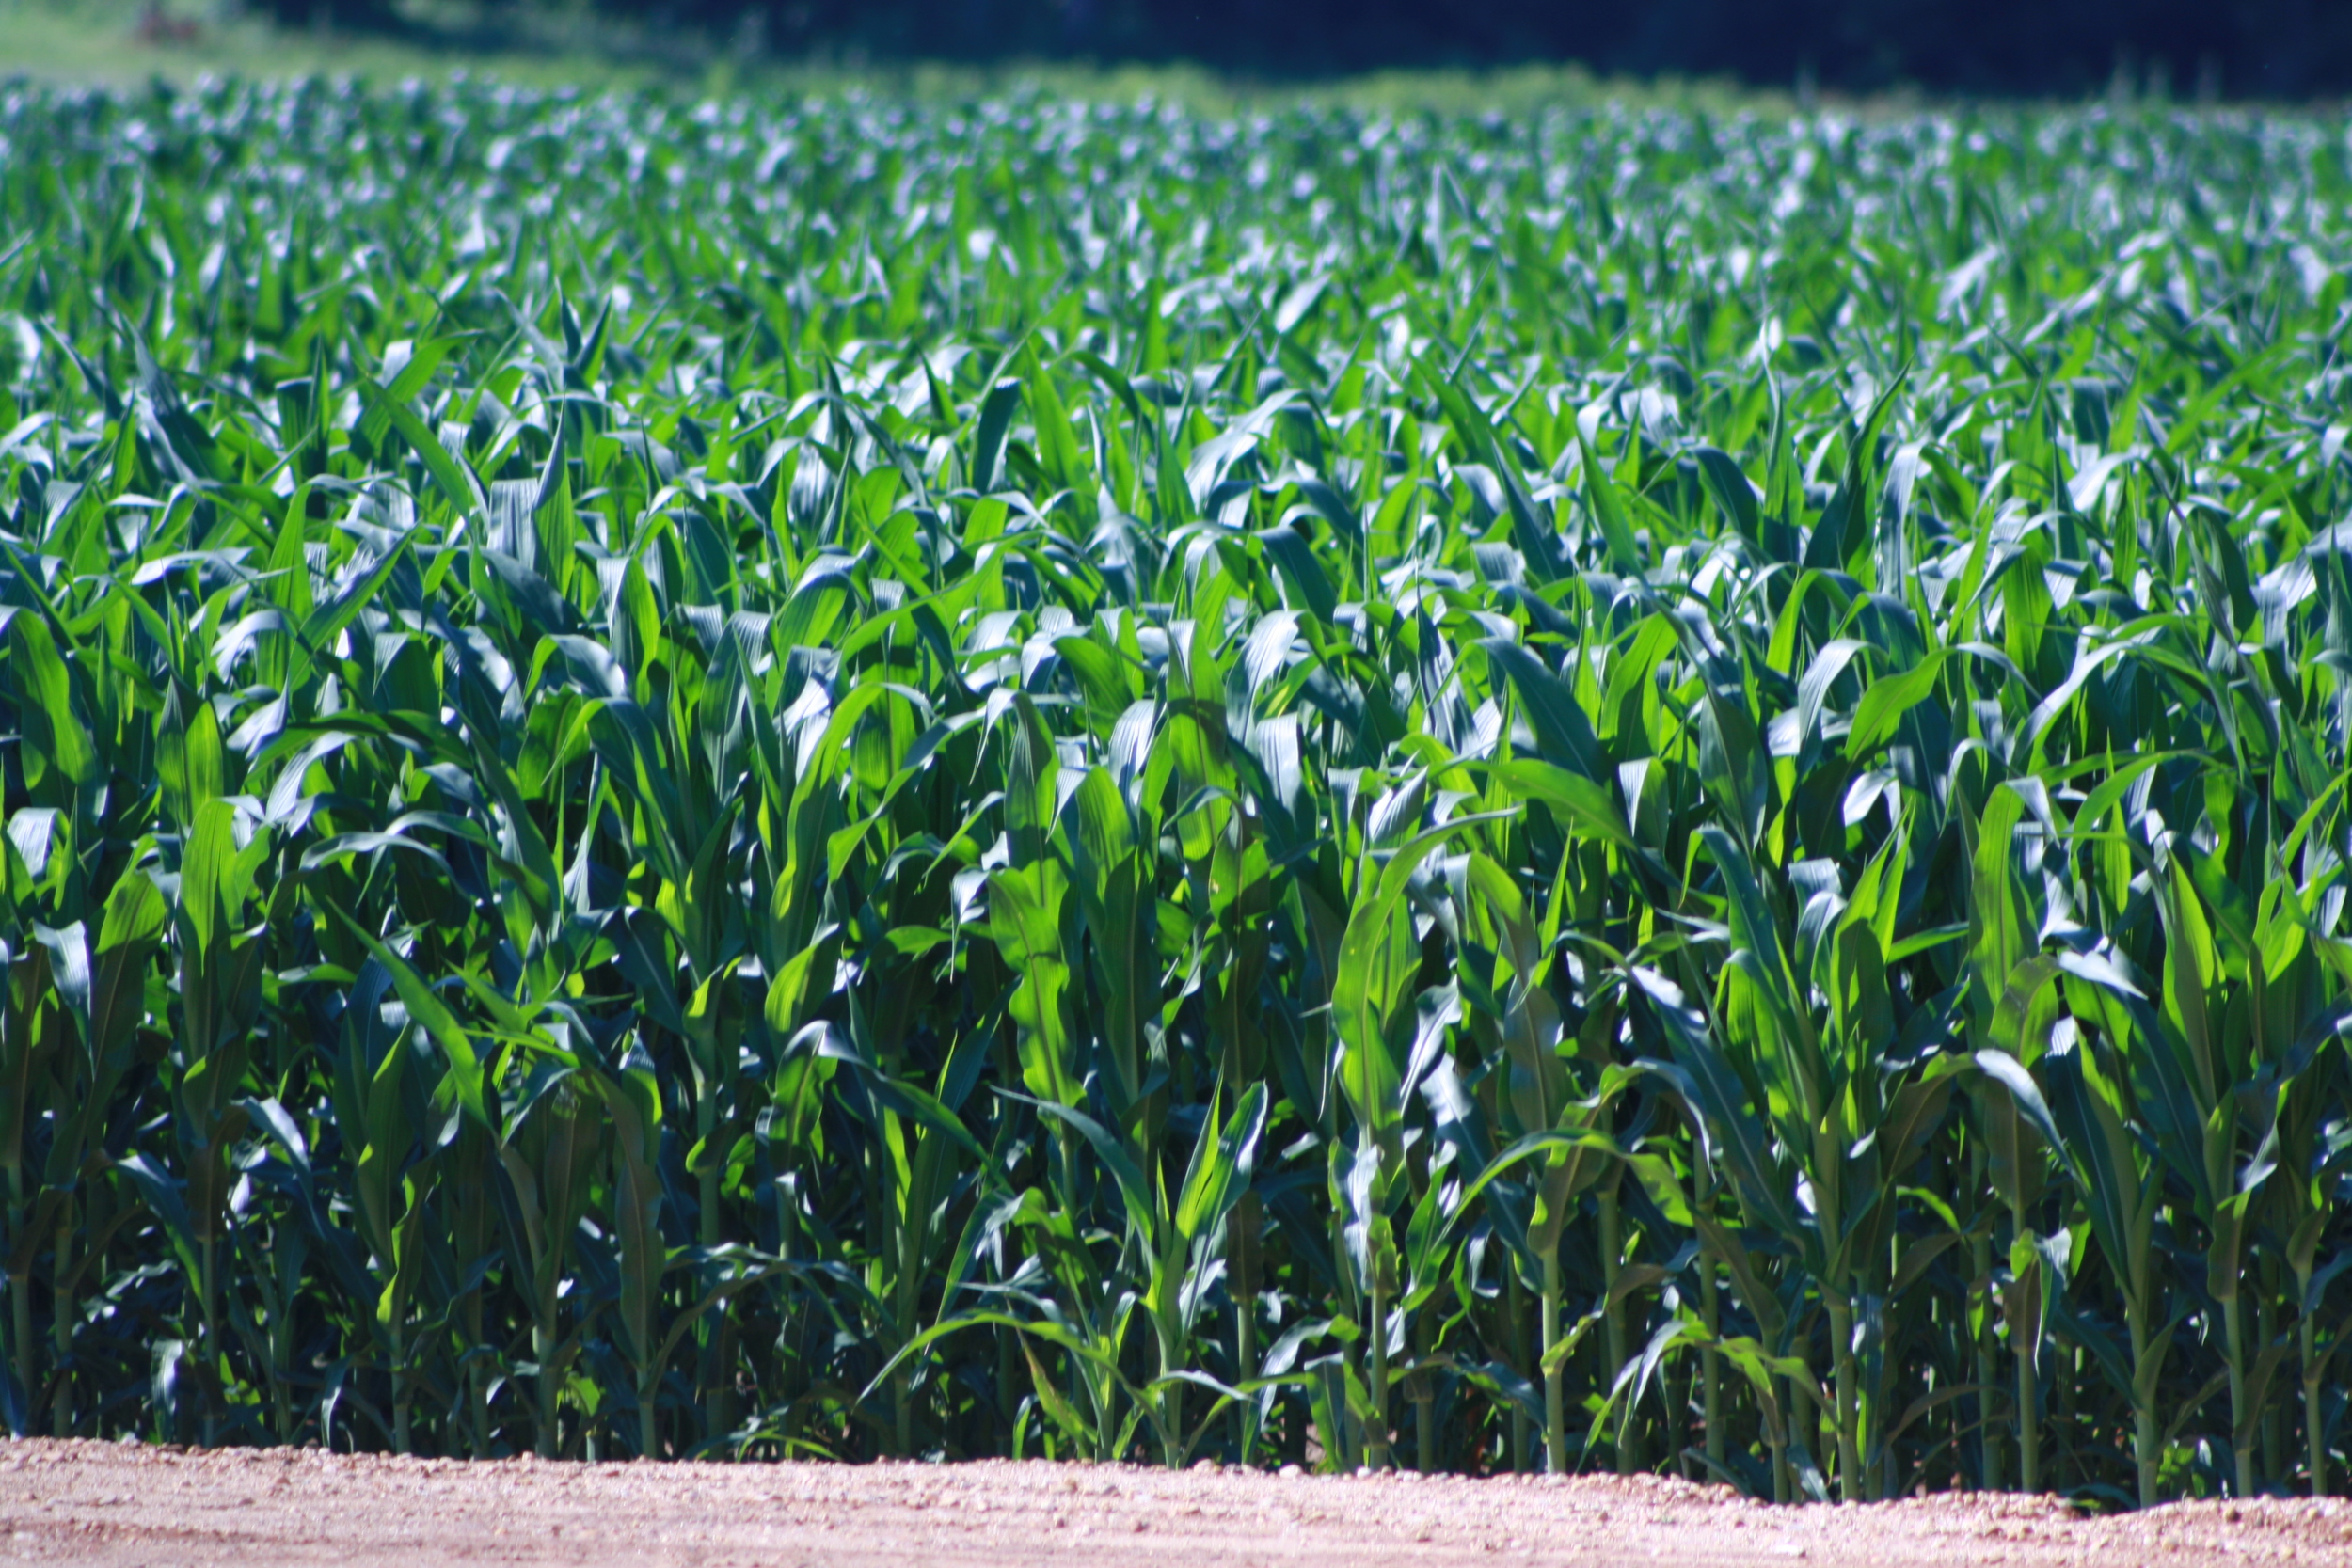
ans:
(108, 1503)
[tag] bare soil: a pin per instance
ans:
(117, 1503)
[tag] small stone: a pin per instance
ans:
(1289, 1472)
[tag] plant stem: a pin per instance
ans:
(282, 1384)
(1241, 1250)
(1613, 1325)
(901, 1415)
(543, 1350)
(400, 1379)
(1424, 1393)
(1171, 1404)
(1007, 1400)
(1105, 1395)
(206, 1293)
(27, 1350)
(1556, 1423)
(1776, 1439)
(20, 1302)
(2274, 1433)
(2028, 1422)
(718, 1418)
(2315, 1435)
(1710, 1359)
(61, 1327)
(1376, 1429)
(2144, 1443)
(2241, 1426)
(1515, 1325)
(1980, 1264)
(1849, 1414)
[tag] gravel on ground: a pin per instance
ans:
(106, 1503)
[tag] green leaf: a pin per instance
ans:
(1220, 1164)
(458, 484)
(1608, 507)
(1885, 703)
(1563, 732)
(427, 1009)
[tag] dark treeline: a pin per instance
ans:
(2269, 49)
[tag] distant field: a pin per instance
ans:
(112, 43)
(931, 773)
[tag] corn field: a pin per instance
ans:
(844, 778)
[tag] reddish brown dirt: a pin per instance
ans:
(110, 1503)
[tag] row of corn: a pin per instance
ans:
(841, 777)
